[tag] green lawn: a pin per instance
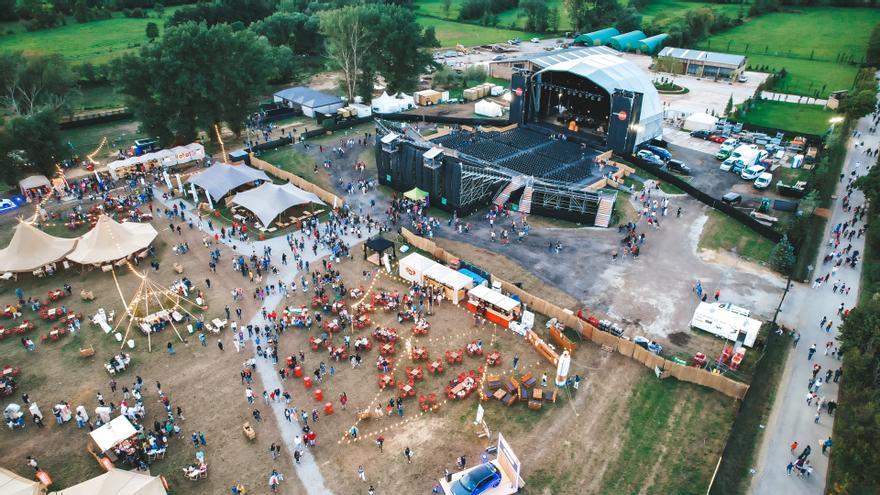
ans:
(450, 33)
(119, 134)
(97, 97)
(794, 117)
(513, 18)
(298, 163)
(95, 42)
(792, 39)
(722, 233)
(665, 11)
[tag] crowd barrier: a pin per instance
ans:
(624, 347)
(326, 196)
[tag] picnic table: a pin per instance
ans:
(56, 294)
(461, 390)
(10, 371)
(218, 323)
(387, 349)
(419, 353)
(493, 358)
(176, 316)
(406, 390)
(454, 356)
(24, 326)
(436, 366)
(386, 380)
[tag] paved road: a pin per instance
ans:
(792, 419)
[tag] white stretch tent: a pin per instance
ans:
(110, 240)
(493, 297)
(270, 200)
(166, 158)
(412, 268)
(221, 178)
(454, 281)
(31, 248)
(712, 318)
(699, 122)
(117, 482)
(113, 433)
(488, 108)
(392, 104)
(13, 484)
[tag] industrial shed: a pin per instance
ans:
(309, 100)
(627, 42)
(698, 63)
(597, 38)
(652, 44)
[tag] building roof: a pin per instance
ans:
(31, 248)
(650, 45)
(626, 41)
(110, 240)
(270, 200)
(543, 60)
(307, 97)
(221, 178)
(701, 56)
(597, 37)
(610, 73)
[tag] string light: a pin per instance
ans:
(91, 156)
(220, 140)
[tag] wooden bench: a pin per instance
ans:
(499, 394)
(523, 393)
(527, 380)
(508, 400)
(494, 382)
(538, 393)
(87, 352)
(550, 395)
(535, 404)
(511, 385)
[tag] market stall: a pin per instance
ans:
(34, 187)
(412, 268)
(113, 433)
(452, 283)
(13, 484)
(32, 250)
(166, 158)
(110, 240)
(493, 305)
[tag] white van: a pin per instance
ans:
(752, 172)
(763, 181)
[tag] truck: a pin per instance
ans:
(743, 157)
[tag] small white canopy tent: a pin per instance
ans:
(454, 281)
(270, 200)
(220, 178)
(31, 248)
(166, 158)
(110, 240)
(488, 108)
(113, 433)
(117, 482)
(699, 122)
(392, 104)
(493, 297)
(412, 268)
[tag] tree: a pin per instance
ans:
(553, 20)
(810, 202)
(873, 54)
(536, 15)
(31, 144)
(860, 104)
(159, 9)
(400, 42)
(447, 5)
(7, 10)
(348, 42)
(81, 11)
(782, 256)
(301, 32)
(184, 83)
(152, 31)
(30, 84)
(729, 107)
(580, 12)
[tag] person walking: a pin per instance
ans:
(794, 446)
(362, 474)
(515, 360)
(789, 467)
(810, 352)
(408, 453)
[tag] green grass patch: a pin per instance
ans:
(793, 117)
(95, 42)
(733, 475)
(512, 18)
(119, 134)
(722, 233)
(96, 98)
(451, 33)
(664, 12)
(298, 163)
(808, 43)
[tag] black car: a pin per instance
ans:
(702, 134)
(732, 198)
(678, 166)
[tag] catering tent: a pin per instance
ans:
(416, 194)
(493, 297)
(111, 434)
(270, 200)
(110, 240)
(117, 482)
(454, 281)
(488, 108)
(221, 178)
(392, 104)
(699, 122)
(13, 484)
(412, 268)
(33, 182)
(31, 248)
(165, 158)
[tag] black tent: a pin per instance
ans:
(379, 245)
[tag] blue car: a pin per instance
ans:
(477, 480)
(661, 152)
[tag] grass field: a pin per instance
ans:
(298, 163)
(449, 33)
(811, 119)
(510, 18)
(722, 233)
(664, 11)
(770, 40)
(96, 42)
(120, 134)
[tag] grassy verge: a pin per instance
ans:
(733, 474)
(793, 117)
(671, 424)
(450, 33)
(722, 233)
(119, 134)
(298, 163)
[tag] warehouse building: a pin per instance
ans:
(596, 38)
(627, 42)
(711, 65)
(652, 45)
(311, 102)
(534, 62)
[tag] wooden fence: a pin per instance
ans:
(624, 347)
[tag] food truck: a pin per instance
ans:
(495, 306)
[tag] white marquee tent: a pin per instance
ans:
(113, 433)
(270, 200)
(699, 122)
(220, 178)
(166, 158)
(488, 108)
(117, 482)
(392, 104)
(412, 268)
(110, 240)
(453, 280)
(13, 484)
(31, 248)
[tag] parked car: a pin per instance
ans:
(723, 153)
(717, 138)
(477, 480)
(649, 158)
(536, 40)
(751, 173)
(663, 153)
(742, 78)
(678, 166)
(763, 181)
(498, 57)
(648, 345)
(732, 198)
(702, 134)
(731, 162)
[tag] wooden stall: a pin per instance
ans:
(495, 306)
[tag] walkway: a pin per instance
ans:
(792, 419)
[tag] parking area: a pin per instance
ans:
(705, 174)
